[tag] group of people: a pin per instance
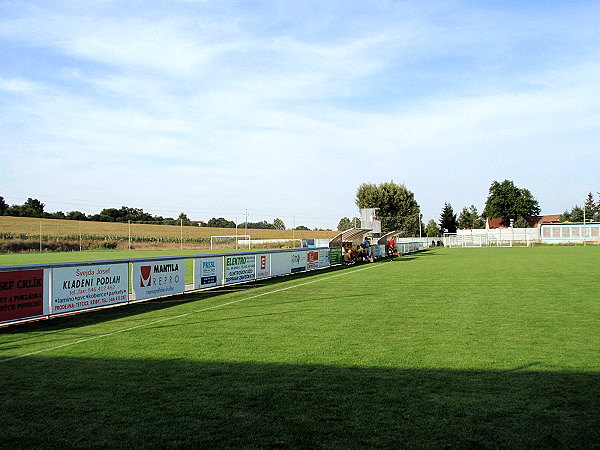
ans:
(360, 253)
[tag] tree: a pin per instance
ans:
(3, 206)
(469, 218)
(183, 219)
(278, 224)
(590, 207)
(396, 206)
(76, 215)
(448, 219)
(220, 223)
(302, 228)
(510, 202)
(575, 215)
(344, 224)
(32, 208)
(521, 222)
(432, 229)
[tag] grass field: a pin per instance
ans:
(476, 348)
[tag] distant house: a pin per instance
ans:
(534, 221)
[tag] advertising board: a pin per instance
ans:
(152, 279)
(378, 251)
(89, 286)
(281, 263)
(298, 261)
(263, 266)
(335, 255)
(240, 268)
(312, 259)
(324, 258)
(23, 294)
(208, 272)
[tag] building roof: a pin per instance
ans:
(534, 221)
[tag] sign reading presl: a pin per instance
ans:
(208, 272)
(153, 279)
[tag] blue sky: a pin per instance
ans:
(285, 108)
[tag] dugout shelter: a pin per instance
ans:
(353, 236)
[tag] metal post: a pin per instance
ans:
(293, 230)
(246, 227)
(584, 225)
(80, 246)
(181, 221)
(129, 226)
(40, 236)
(236, 233)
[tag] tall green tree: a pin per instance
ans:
(3, 206)
(590, 207)
(32, 208)
(396, 206)
(510, 202)
(432, 229)
(448, 222)
(344, 224)
(469, 218)
(278, 224)
(575, 215)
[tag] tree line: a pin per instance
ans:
(33, 207)
(399, 211)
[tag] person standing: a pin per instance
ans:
(368, 249)
(392, 248)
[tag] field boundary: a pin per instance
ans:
(179, 316)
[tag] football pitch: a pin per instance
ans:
(482, 348)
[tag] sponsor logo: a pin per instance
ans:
(145, 276)
(263, 262)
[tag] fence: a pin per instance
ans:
(37, 291)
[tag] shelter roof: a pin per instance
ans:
(350, 235)
(386, 237)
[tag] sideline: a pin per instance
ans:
(154, 322)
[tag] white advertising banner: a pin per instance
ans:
(208, 272)
(281, 263)
(83, 287)
(324, 258)
(299, 261)
(240, 268)
(152, 279)
(263, 266)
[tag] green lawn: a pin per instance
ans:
(485, 348)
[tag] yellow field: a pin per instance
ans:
(57, 228)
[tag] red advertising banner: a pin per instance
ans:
(21, 294)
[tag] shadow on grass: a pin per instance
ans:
(100, 403)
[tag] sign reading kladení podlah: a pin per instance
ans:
(83, 287)
(152, 279)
